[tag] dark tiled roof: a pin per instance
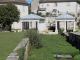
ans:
(55, 0)
(18, 1)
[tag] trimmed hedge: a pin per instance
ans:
(77, 57)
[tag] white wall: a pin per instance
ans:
(20, 8)
(78, 7)
(61, 7)
(23, 8)
(42, 27)
(34, 6)
(23, 12)
(43, 12)
(15, 25)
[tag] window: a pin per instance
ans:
(23, 8)
(47, 4)
(68, 3)
(55, 4)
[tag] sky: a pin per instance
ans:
(29, 1)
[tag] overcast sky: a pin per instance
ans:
(29, 1)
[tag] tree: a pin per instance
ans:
(47, 13)
(30, 8)
(8, 14)
(39, 13)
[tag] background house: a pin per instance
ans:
(57, 6)
(35, 6)
(22, 6)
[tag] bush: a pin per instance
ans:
(54, 15)
(77, 57)
(34, 38)
(61, 31)
(72, 14)
(60, 14)
(47, 13)
(43, 15)
(32, 13)
(21, 52)
(39, 13)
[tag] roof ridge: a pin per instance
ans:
(18, 1)
(56, 0)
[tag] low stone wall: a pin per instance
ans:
(50, 33)
(74, 39)
(12, 55)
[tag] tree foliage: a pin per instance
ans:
(8, 14)
(47, 13)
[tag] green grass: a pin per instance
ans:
(79, 28)
(77, 57)
(52, 44)
(8, 42)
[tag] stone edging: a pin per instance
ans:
(63, 56)
(12, 55)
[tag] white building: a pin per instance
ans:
(32, 21)
(57, 6)
(22, 5)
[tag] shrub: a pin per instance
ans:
(32, 12)
(54, 15)
(60, 14)
(77, 57)
(61, 31)
(72, 14)
(47, 13)
(34, 38)
(21, 52)
(39, 13)
(43, 15)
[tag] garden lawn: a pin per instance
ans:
(52, 44)
(8, 42)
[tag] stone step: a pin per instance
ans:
(63, 56)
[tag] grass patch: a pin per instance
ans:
(69, 29)
(21, 53)
(77, 57)
(79, 28)
(52, 44)
(8, 42)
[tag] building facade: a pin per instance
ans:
(58, 6)
(35, 6)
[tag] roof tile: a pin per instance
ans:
(55, 0)
(18, 1)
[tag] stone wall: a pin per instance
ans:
(12, 55)
(74, 39)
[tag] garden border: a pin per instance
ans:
(23, 43)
